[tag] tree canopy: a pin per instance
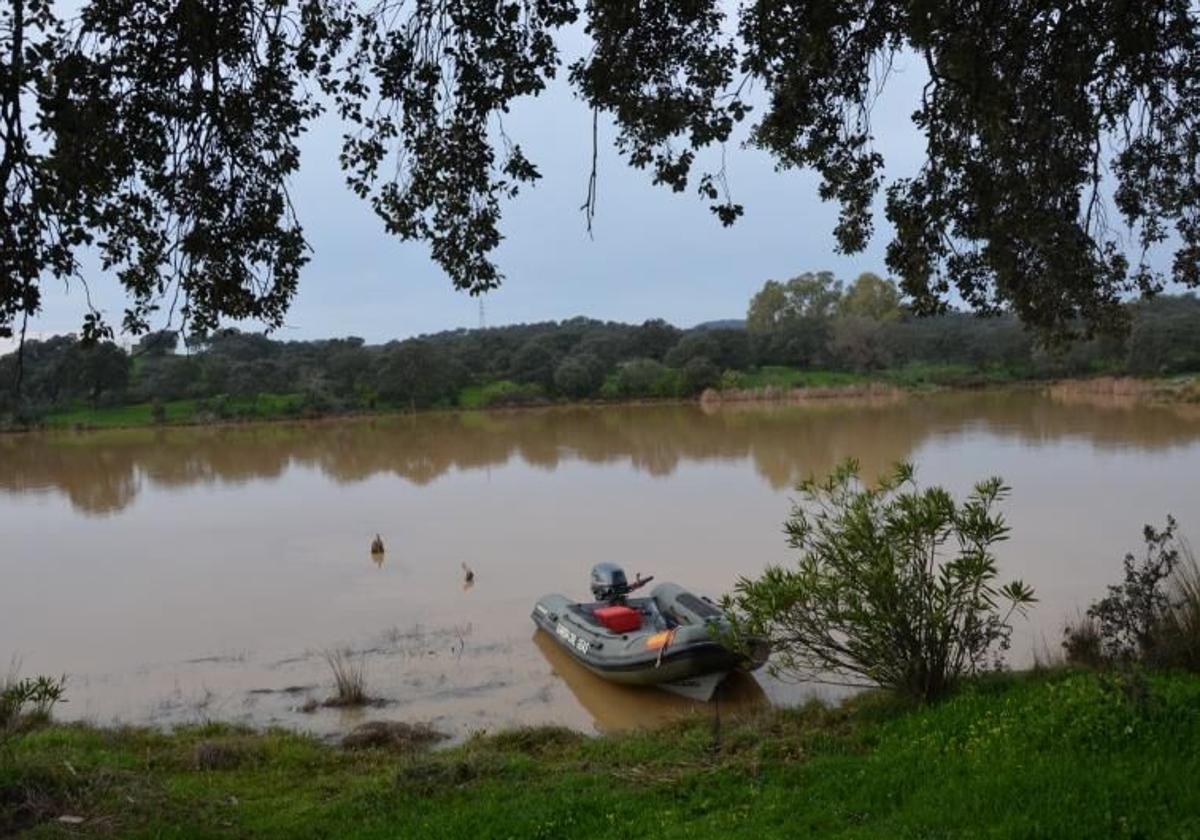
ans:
(162, 135)
(811, 295)
(234, 374)
(871, 296)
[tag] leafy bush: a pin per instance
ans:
(895, 585)
(1151, 617)
(579, 376)
(1083, 643)
(507, 393)
(732, 380)
(646, 378)
(699, 373)
(28, 700)
(1128, 615)
(1177, 642)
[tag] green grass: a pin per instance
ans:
(260, 407)
(916, 376)
(923, 374)
(139, 414)
(501, 392)
(773, 376)
(505, 392)
(1065, 755)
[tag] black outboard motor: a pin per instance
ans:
(610, 585)
(609, 582)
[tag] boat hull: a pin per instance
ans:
(678, 644)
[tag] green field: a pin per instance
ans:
(1061, 755)
(141, 414)
(175, 412)
(502, 393)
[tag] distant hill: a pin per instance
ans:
(726, 324)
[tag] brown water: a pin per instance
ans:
(188, 574)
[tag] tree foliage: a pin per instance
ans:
(871, 296)
(577, 358)
(579, 376)
(808, 296)
(163, 136)
(894, 586)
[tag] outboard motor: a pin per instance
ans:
(609, 582)
(610, 585)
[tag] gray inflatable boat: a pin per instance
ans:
(671, 639)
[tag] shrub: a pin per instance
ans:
(646, 378)
(698, 374)
(1177, 642)
(314, 403)
(732, 380)
(506, 393)
(28, 700)
(895, 585)
(1082, 642)
(1151, 617)
(1128, 615)
(579, 376)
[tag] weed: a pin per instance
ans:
(349, 678)
(394, 735)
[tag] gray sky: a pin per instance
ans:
(654, 253)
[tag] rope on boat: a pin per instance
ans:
(665, 644)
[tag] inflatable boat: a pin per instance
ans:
(672, 639)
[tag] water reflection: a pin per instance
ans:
(103, 472)
(615, 707)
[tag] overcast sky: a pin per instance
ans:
(654, 253)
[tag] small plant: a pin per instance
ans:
(1128, 615)
(1082, 642)
(1152, 617)
(1177, 642)
(895, 586)
(28, 701)
(349, 678)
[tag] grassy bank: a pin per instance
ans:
(769, 382)
(1062, 755)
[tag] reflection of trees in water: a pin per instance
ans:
(102, 472)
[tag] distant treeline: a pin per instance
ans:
(809, 323)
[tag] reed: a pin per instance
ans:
(349, 678)
(1177, 641)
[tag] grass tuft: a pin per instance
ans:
(349, 678)
(531, 740)
(220, 754)
(1083, 643)
(1177, 642)
(393, 735)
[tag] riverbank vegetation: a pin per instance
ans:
(895, 586)
(809, 332)
(1059, 754)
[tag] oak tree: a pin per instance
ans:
(162, 136)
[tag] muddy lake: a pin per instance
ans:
(178, 575)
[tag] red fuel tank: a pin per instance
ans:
(619, 619)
